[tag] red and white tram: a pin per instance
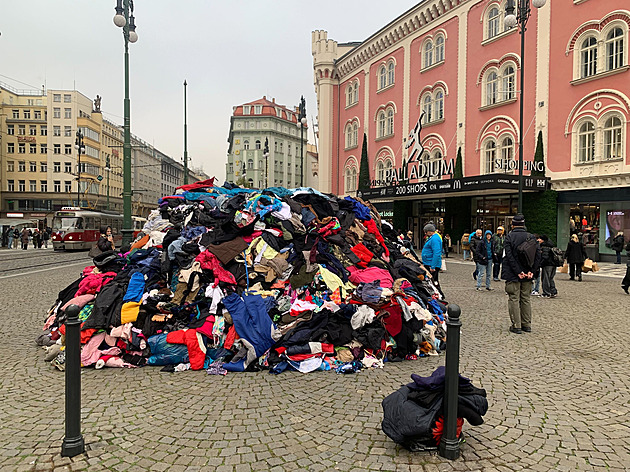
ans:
(77, 228)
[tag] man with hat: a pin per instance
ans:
(497, 256)
(432, 252)
(518, 275)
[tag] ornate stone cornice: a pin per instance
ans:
(392, 34)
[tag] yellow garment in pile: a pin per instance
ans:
(333, 282)
(129, 312)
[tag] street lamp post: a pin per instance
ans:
(185, 138)
(266, 156)
(78, 144)
(513, 19)
(302, 124)
(124, 19)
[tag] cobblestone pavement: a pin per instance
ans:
(559, 397)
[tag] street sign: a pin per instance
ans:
(99, 178)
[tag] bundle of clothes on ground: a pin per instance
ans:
(413, 415)
(229, 279)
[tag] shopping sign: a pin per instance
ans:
(417, 166)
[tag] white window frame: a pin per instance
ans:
(614, 49)
(489, 155)
(380, 124)
(586, 139)
(428, 53)
(439, 48)
(613, 137)
(246, 109)
(588, 56)
(389, 127)
(382, 77)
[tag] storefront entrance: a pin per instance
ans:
(491, 212)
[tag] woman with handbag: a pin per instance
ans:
(575, 255)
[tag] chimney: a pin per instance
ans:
(273, 99)
(264, 97)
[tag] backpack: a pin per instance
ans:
(557, 257)
(527, 251)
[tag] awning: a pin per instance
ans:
(467, 186)
(16, 221)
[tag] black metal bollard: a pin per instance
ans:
(73, 443)
(449, 445)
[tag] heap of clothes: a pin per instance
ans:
(230, 279)
(413, 415)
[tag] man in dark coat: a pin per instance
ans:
(625, 283)
(518, 276)
(547, 267)
(617, 245)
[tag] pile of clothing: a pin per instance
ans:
(231, 279)
(413, 415)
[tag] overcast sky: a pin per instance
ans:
(230, 52)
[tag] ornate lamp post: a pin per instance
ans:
(266, 156)
(301, 124)
(185, 138)
(512, 19)
(124, 19)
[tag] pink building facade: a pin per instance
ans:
(456, 62)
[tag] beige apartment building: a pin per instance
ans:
(41, 170)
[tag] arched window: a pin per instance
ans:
(250, 164)
(258, 146)
(382, 77)
(427, 107)
(490, 150)
(390, 73)
(388, 169)
(614, 49)
(588, 57)
(428, 54)
(586, 142)
(348, 136)
(439, 49)
(351, 179)
(507, 153)
(491, 88)
(349, 95)
(355, 98)
(612, 137)
(282, 147)
(289, 149)
(509, 81)
(380, 172)
(494, 20)
(355, 134)
(390, 122)
(246, 144)
(439, 105)
(381, 124)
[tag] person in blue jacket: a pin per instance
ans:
(432, 252)
(483, 259)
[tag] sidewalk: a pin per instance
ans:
(606, 269)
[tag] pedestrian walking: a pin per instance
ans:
(447, 244)
(625, 283)
(16, 238)
(483, 259)
(45, 238)
(547, 267)
(5, 237)
(474, 240)
(24, 237)
(432, 253)
(575, 255)
(10, 236)
(522, 260)
(465, 242)
(497, 256)
(36, 238)
(617, 245)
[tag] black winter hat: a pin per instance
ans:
(518, 220)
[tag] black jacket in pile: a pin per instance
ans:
(411, 412)
(512, 263)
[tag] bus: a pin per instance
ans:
(76, 228)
